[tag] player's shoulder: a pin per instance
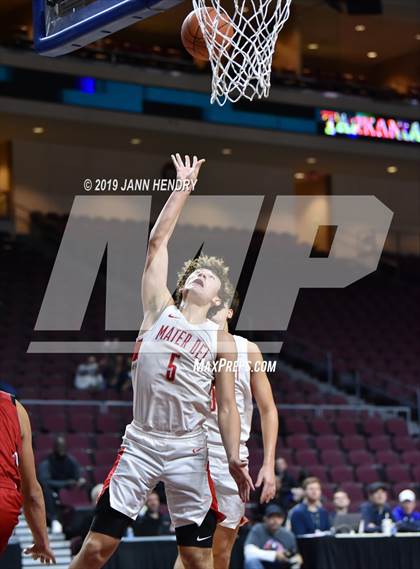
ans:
(225, 341)
(253, 349)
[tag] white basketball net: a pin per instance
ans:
(241, 64)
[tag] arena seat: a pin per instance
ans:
(341, 474)
(367, 474)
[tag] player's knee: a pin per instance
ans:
(195, 558)
(221, 558)
(96, 552)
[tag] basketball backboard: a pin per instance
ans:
(62, 26)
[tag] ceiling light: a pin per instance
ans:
(372, 54)
(135, 141)
(392, 169)
(226, 151)
(311, 160)
(331, 95)
(360, 28)
(38, 130)
(417, 36)
(299, 176)
(313, 46)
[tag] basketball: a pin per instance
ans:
(192, 36)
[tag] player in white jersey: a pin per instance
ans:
(251, 382)
(167, 439)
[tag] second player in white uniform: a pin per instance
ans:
(228, 498)
(251, 383)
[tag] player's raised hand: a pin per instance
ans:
(266, 478)
(187, 169)
(239, 472)
(42, 553)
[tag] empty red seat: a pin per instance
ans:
(322, 427)
(354, 442)
(398, 473)
(373, 426)
(327, 442)
(341, 474)
(80, 423)
(384, 457)
(107, 423)
(379, 442)
(79, 440)
(107, 441)
(402, 444)
(333, 458)
(54, 422)
(43, 441)
(306, 457)
(411, 457)
(396, 427)
(367, 474)
(299, 442)
(346, 427)
(295, 426)
(359, 457)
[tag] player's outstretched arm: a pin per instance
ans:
(227, 413)
(154, 290)
(263, 394)
(33, 500)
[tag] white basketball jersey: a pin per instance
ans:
(243, 396)
(170, 396)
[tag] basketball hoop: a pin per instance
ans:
(241, 62)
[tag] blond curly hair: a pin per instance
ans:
(214, 264)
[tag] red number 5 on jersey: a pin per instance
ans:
(171, 369)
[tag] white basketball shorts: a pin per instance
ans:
(228, 499)
(180, 462)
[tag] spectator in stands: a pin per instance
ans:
(151, 521)
(310, 516)
(270, 545)
(290, 491)
(376, 509)
(405, 515)
(341, 502)
(59, 470)
(88, 375)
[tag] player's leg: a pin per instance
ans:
(95, 552)
(195, 543)
(191, 501)
(223, 542)
(106, 531)
(126, 488)
(230, 504)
